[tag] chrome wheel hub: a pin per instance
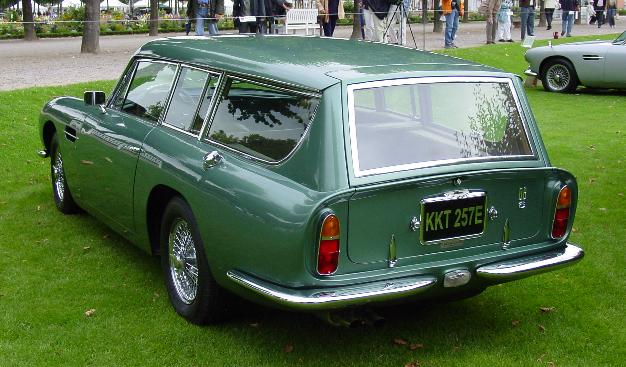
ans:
(58, 177)
(183, 261)
(558, 77)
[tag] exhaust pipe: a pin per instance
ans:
(352, 318)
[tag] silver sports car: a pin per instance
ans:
(595, 64)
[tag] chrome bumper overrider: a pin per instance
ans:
(530, 72)
(336, 297)
(529, 265)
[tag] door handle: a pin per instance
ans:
(211, 159)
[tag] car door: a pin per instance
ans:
(112, 139)
(615, 66)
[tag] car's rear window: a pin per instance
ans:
(262, 121)
(400, 125)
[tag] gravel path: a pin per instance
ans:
(58, 61)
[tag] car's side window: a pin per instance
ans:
(149, 89)
(183, 110)
(120, 92)
(262, 121)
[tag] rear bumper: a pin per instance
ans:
(521, 267)
(335, 297)
(386, 290)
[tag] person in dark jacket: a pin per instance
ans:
(375, 12)
(203, 9)
(598, 6)
(527, 10)
(569, 8)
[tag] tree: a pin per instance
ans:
(27, 17)
(542, 13)
(437, 24)
(91, 28)
(154, 17)
(356, 22)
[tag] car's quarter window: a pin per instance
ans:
(262, 121)
(182, 112)
(148, 91)
(201, 116)
(405, 124)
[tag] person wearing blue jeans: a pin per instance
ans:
(452, 10)
(569, 8)
(527, 15)
(201, 9)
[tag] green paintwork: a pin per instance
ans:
(263, 219)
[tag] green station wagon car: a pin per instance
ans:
(314, 174)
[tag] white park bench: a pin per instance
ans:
(298, 19)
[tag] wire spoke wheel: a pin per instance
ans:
(558, 77)
(58, 176)
(183, 261)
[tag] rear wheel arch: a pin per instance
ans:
(158, 199)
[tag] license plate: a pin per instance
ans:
(453, 216)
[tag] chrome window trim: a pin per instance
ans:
(205, 134)
(208, 120)
(430, 80)
(129, 72)
(210, 75)
(137, 61)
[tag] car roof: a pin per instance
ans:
(309, 62)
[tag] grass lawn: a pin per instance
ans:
(53, 268)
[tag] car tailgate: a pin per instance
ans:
(446, 213)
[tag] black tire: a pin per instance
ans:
(559, 76)
(182, 250)
(60, 190)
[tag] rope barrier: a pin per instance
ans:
(54, 21)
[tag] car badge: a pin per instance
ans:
(522, 197)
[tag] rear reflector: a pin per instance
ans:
(561, 214)
(328, 253)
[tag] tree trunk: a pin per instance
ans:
(542, 13)
(27, 16)
(154, 17)
(91, 28)
(356, 22)
(437, 25)
(466, 13)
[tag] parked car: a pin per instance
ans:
(594, 64)
(314, 174)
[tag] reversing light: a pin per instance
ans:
(561, 214)
(328, 251)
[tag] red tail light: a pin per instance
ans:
(328, 253)
(561, 215)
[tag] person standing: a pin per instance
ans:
(374, 13)
(490, 9)
(247, 8)
(452, 10)
(504, 22)
(330, 11)
(610, 12)
(598, 6)
(549, 7)
(527, 10)
(202, 9)
(398, 12)
(569, 8)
